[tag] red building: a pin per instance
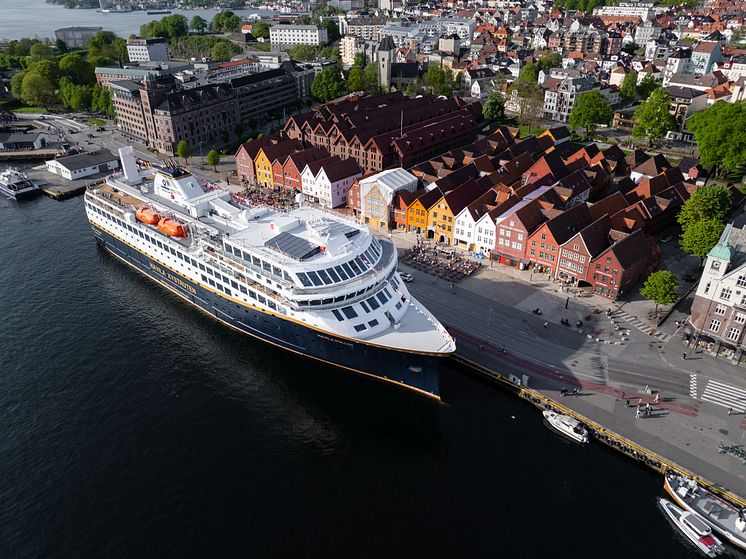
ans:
(245, 157)
(287, 172)
(623, 264)
(514, 227)
(543, 244)
(576, 253)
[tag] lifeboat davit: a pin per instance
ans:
(147, 215)
(173, 228)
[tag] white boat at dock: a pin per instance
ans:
(725, 518)
(694, 528)
(566, 426)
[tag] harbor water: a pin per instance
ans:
(132, 425)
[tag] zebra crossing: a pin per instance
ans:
(693, 386)
(725, 395)
(619, 314)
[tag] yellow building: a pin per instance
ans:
(440, 221)
(263, 169)
(417, 212)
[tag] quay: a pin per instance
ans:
(29, 155)
(63, 191)
(500, 340)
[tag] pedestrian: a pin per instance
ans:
(647, 389)
(657, 397)
(575, 392)
(637, 413)
(683, 356)
(639, 402)
(626, 405)
(545, 323)
(647, 407)
(730, 411)
(563, 392)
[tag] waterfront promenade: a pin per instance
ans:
(491, 311)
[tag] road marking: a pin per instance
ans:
(693, 386)
(725, 395)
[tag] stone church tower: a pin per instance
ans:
(386, 53)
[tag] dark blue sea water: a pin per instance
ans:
(132, 425)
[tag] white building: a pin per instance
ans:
(377, 193)
(83, 165)
(147, 50)
(643, 10)
(281, 36)
(328, 181)
(349, 46)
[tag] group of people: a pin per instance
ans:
(452, 268)
(280, 200)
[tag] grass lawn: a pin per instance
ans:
(96, 122)
(30, 110)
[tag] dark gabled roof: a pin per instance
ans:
(653, 166)
(632, 249)
(636, 158)
(387, 43)
(342, 169)
(405, 70)
(569, 222)
(252, 148)
(301, 158)
(84, 160)
(596, 235)
(281, 150)
(614, 153)
(575, 182)
(460, 197)
(608, 206)
(430, 198)
(458, 177)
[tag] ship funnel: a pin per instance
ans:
(127, 157)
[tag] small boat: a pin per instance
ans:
(147, 215)
(173, 228)
(158, 12)
(693, 527)
(16, 184)
(567, 426)
(726, 519)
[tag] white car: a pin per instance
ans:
(405, 276)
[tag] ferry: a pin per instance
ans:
(694, 528)
(566, 426)
(726, 519)
(311, 282)
(16, 184)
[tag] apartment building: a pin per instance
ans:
(368, 28)
(147, 50)
(283, 36)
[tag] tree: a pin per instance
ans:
(226, 21)
(332, 29)
(360, 59)
(41, 51)
(660, 287)
(77, 69)
(647, 86)
(653, 117)
(494, 107)
(198, 24)
(37, 90)
(631, 47)
(184, 151)
(327, 85)
(720, 133)
(47, 69)
(61, 46)
(549, 61)
(590, 110)
(106, 45)
(260, 29)
(355, 80)
(221, 51)
(708, 202)
(528, 97)
(699, 237)
(370, 75)
(213, 158)
(529, 73)
(303, 52)
(15, 83)
(628, 90)
(439, 80)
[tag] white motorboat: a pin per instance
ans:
(726, 519)
(567, 426)
(693, 527)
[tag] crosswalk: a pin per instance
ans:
(619, 314)
(725, 395)
(693, 386)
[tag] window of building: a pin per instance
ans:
(741, 282)
(725, 293)
(714, 325)
(740, 318)
(720, 309)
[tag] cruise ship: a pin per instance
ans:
(309, 281)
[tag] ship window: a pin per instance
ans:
(172, 250)
(349, 312)
(243, 289)
(209, 271)
(286, 276)
(341, 273)
(395, 282)
(315, 303)
(266, 266)
(277, 271)
(246, 256)
(304, 279)
(327, 301)
(346, 267)
(373, 323)
(255, 261)
(354, 266)
(142, 235)
(204, 278)
(211, 282)
(194, 262)
(339, 299)
(179, 255)
(381, 297)
(252, 294)
(272, 305)
(365, 307)
(314, 278)
(333, 275)
(234, 284)
(225, 279)
(359, 327)
(398, 305)
(373, 303)
(325, 277)
(262, 300)
(350, 296)
(338, 315)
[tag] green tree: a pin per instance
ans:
(628, 90)
(699, 237)
(439, 80)
(184, 151)
(61, 46)
(708, 202)
(213, 158)
(653, 117)
(494, 107)
(76, 97)
(41, 51)
(549, 61)
(332, 29)
(720, 133)
(631, 47)
(355, 80)
(226, 21)
(328, 84)
(528, 97)
(529, 73)
(47, 69)
(304, 53)
(105, 45)
(647, 86)
(260, 29)
(221, 51)
(590, 110)
(15, 83)
(660, 287)
(360, 59)
(77, 69)
(38, 91)
(198, 24)
(370, 75)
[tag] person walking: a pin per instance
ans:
(637, 413)
(730, 411)
(683, 356)
(545, 323)
(626, 405)
(657, 397)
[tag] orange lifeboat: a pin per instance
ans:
(173, 228)
(147, 215)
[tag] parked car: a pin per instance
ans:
(405, 276)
